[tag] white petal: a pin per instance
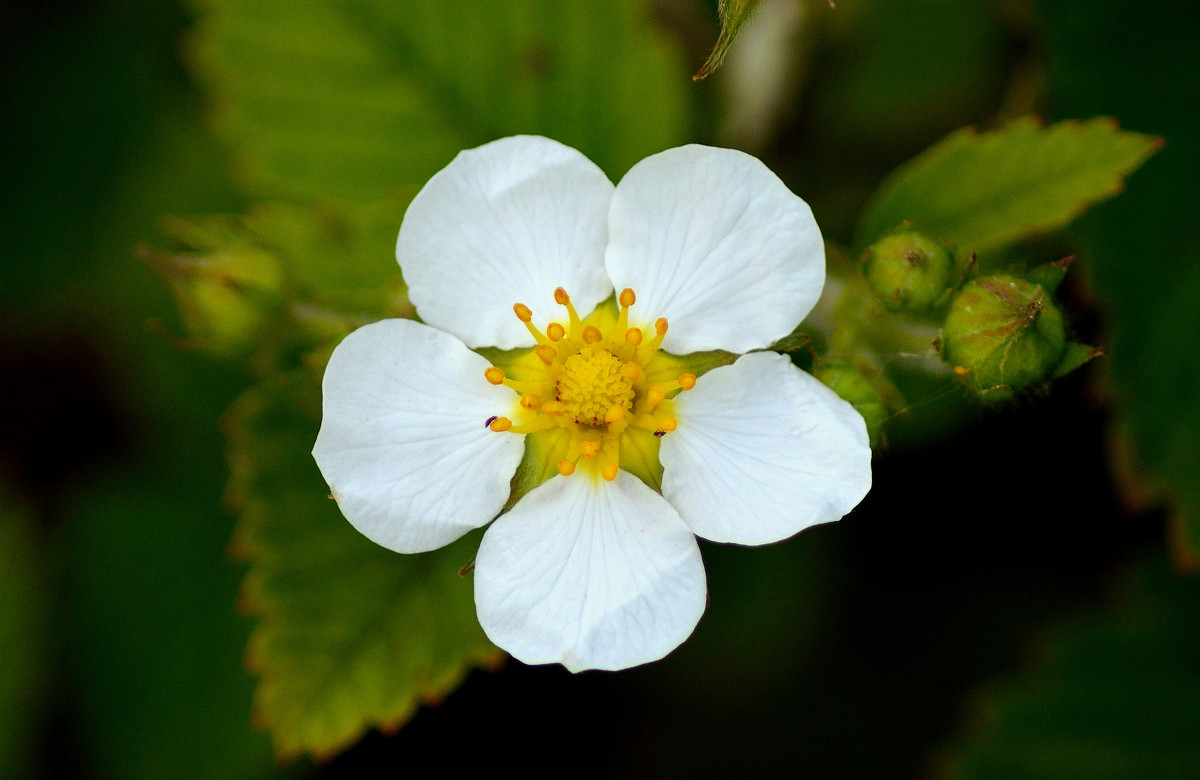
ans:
(589, 574)
(502, 224)
(762, 451)
(712, 240)
(403, 443)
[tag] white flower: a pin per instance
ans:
(598, 566)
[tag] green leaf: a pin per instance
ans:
(734, 14)
(365, 99)
(351, 635)
(983, 191)
(22, 641)
(1117, 696)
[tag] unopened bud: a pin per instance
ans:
(908, 271)
(224, 295)
(1003, 334)
(861, 389)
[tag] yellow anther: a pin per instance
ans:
(523, 312)
(561, 297)
(610, 471)
(687, 381)
(632, 371)
(500, 424)
(553, 407)
(546, 352)
(654, 396)
(660, 326)
(555, 331)
(589, 448)
(566, 467)
(962, 370)
(530, 401)
(592, 334)
(494, 375)
(667, 424)
(627, 297)
(615, 412)
(633, 336)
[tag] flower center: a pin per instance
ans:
(592, 385)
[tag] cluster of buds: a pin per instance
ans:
(1000, 333)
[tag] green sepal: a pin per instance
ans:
(1076, 355)
(1050, 275)
(698, 363)
(639, 456)
(795, 341)
(543, 451)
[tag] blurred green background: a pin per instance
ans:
(1000, 606)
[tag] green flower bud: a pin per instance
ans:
(1003, 334)
(908, 271)
(865, 390)
(223, 295)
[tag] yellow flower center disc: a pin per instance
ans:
(592, 385)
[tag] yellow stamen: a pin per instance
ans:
(522, 387)
(540, 423)
(538, 336)
(594, 385)
(647, 350)
(562, 299)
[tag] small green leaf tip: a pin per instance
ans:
(1003, 334)
(1050, 275)
(908, 271)
(734, 14)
